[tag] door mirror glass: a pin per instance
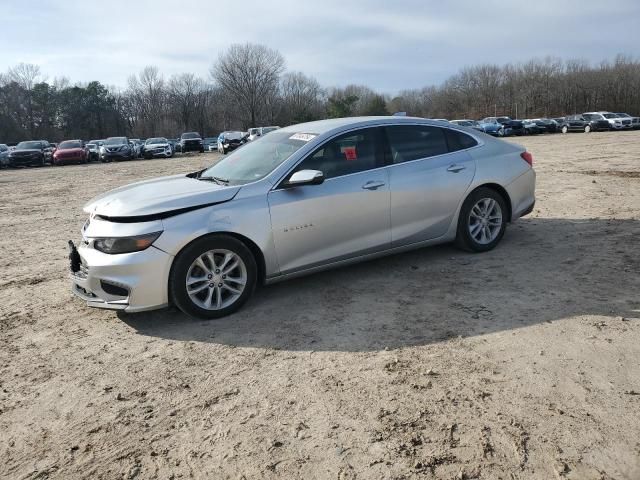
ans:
(306, 177)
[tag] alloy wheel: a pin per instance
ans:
(485, 221)
(216, 279)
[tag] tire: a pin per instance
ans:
(186, 266)
(470, 217)
(587, 128)
(565, 129)
(501, 132)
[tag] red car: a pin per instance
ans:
(71, 151)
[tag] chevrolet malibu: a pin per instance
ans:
(301, 199)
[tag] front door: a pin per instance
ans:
(346, 216)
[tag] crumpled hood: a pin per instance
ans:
(159, 195)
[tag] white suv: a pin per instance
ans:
(615, 121)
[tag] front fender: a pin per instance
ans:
(248, 217)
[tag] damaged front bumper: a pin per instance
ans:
(133, 282)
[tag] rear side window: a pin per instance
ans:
(459, 141)
(412, 142)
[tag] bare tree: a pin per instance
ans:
(249, 74)
(301, 97)
(26, 76)
(147, 92)
(186, 94)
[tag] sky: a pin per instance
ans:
(387, 45)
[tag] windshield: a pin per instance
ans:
(29, 146)
(116, 141)
(266, 130)
(151, 141)
(190, 135)
(69, 144)
(255, 160)
(623, 115)
(464, 123)
(253, 131)
(232, 135)
(610, 115)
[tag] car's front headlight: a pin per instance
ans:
(115, 245)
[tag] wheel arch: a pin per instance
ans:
(250, 244)
(501, 191)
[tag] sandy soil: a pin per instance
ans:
(522, 363)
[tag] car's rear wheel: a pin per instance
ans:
(587, 128)
(482, 221)
(213, 277)
(565, 129)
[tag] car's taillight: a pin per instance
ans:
(527, 157)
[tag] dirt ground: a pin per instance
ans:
(521, 363)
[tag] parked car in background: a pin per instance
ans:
(94, 153)
(31, 153)
(257, 132)
(71, 151)
(229, 141)
(531, 128)
(546, 125)
(615, 122)
(173, 145)
(157, 147)
(136, 147)
(635, 121)
(576, 123)
(492, 126)
(308, 197)
(4, 155)
(116, 148)
(468, 123)
(597, 122)
(502, 126)
(210, 143)
(191, 142)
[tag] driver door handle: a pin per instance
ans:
(455, 168)
(372, 185)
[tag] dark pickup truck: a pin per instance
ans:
(191, 142)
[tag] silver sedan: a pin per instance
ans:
(301, 199)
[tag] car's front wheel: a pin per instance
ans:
(482, 221)
(587, 128)
(213, 277)
(565, 129)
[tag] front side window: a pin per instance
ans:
(349, 153)
(412, 142)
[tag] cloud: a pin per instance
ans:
(387, 45)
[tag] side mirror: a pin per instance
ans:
(306, 177)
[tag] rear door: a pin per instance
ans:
(348, 215)
(430, 172)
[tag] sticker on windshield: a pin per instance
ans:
(305, 137)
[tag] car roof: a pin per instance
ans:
(320, 127)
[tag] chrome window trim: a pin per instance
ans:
(480, 143)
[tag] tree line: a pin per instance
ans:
(248, 86)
